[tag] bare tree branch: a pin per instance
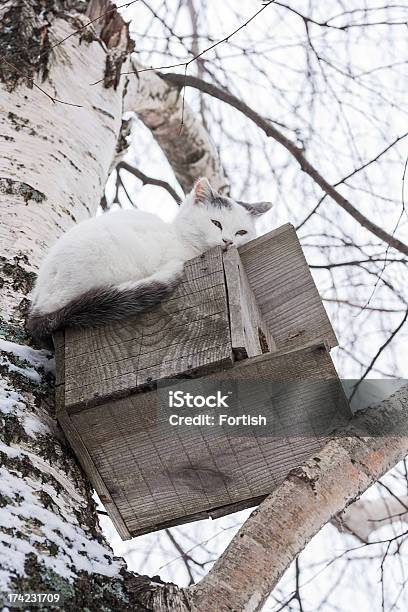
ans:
(149, 180)
(210, 47)
(270, 130)
(380, 350)
(310, 495)
(191, 153)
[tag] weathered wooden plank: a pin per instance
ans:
(150, 475)
(309, 362)
(150, 365)
(84, 341)
(188, 333)
(204, 272)
(159, 476)
(99, 391)
(285, 290)
(250, 335)
(213, 513)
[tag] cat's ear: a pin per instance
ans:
(202, 191)
(256, 208)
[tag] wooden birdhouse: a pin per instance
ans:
(248, 324)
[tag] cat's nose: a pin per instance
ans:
(227, 242)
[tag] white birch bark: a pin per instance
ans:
(55, 157)
(181, 135)
(53, 167)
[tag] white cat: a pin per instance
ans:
(120, 263)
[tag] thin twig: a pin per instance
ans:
(148, 180)
(353, 173)
(378, 353)
(403, 211)
(298, 153)
(23, 74)
(201, 53)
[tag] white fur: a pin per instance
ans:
(122, 247)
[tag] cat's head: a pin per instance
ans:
(208, 219)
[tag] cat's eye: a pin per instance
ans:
(241, 233)
(217, 223)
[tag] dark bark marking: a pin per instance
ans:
(17, 276)
(25, 39)
(114, 32)
(12, 187)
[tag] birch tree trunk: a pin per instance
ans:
(57, 140)
(54, 162)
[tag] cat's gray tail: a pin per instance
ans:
(98, 306)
